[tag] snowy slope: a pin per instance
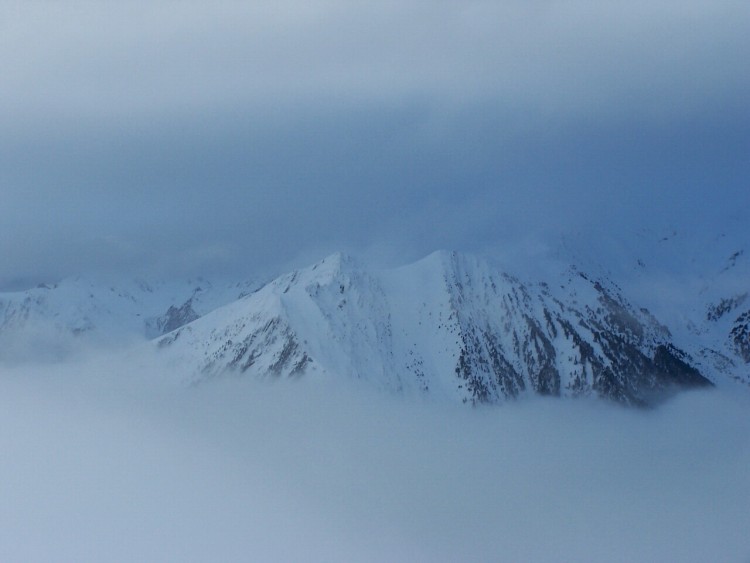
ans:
(696, 281)
(449, 325)
(49, 321)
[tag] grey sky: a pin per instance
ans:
(242, 137)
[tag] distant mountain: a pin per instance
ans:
(696, 283)
(50, 320)
(449, 325)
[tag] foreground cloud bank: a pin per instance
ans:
(120, 467)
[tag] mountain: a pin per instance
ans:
(450, 325)
(695, 280)
(629, 320)
(51, 320)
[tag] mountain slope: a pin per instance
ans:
(697, 281)
(49, 321)
(449, 325)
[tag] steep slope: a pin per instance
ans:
(449, 325)
(697, 281)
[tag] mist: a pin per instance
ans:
(108, 459)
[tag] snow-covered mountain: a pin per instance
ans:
(698, 284)
(630, 321)
(48, 321)
(449, 325)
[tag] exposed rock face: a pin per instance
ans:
(730, 352)
(739, 330)
(175, 317)
(725, 306)
(449, 325)
(602, 346)
(740, 336)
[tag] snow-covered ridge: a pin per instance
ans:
(449, 325)
(48, 321)
(695, 281)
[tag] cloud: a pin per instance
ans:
(110, 460)
(117, 60)
(137, 136)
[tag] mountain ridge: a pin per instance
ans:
(451, 325)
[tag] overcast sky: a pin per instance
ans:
(181, 138)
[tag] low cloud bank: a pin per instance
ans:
(124, 465)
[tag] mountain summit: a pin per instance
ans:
(450, 325)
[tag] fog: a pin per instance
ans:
(110, 459)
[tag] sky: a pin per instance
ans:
(184, 138)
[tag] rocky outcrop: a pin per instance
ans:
(175, 317)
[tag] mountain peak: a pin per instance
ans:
(335, 262)
(450, 325)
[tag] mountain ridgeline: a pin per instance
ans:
(449, 325)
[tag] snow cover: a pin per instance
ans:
(693, 279)
(452, 326)
(55, 320)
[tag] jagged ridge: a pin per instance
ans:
(449, 325)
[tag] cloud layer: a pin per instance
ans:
(128, 467)
(183, 138)
(113, 60)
